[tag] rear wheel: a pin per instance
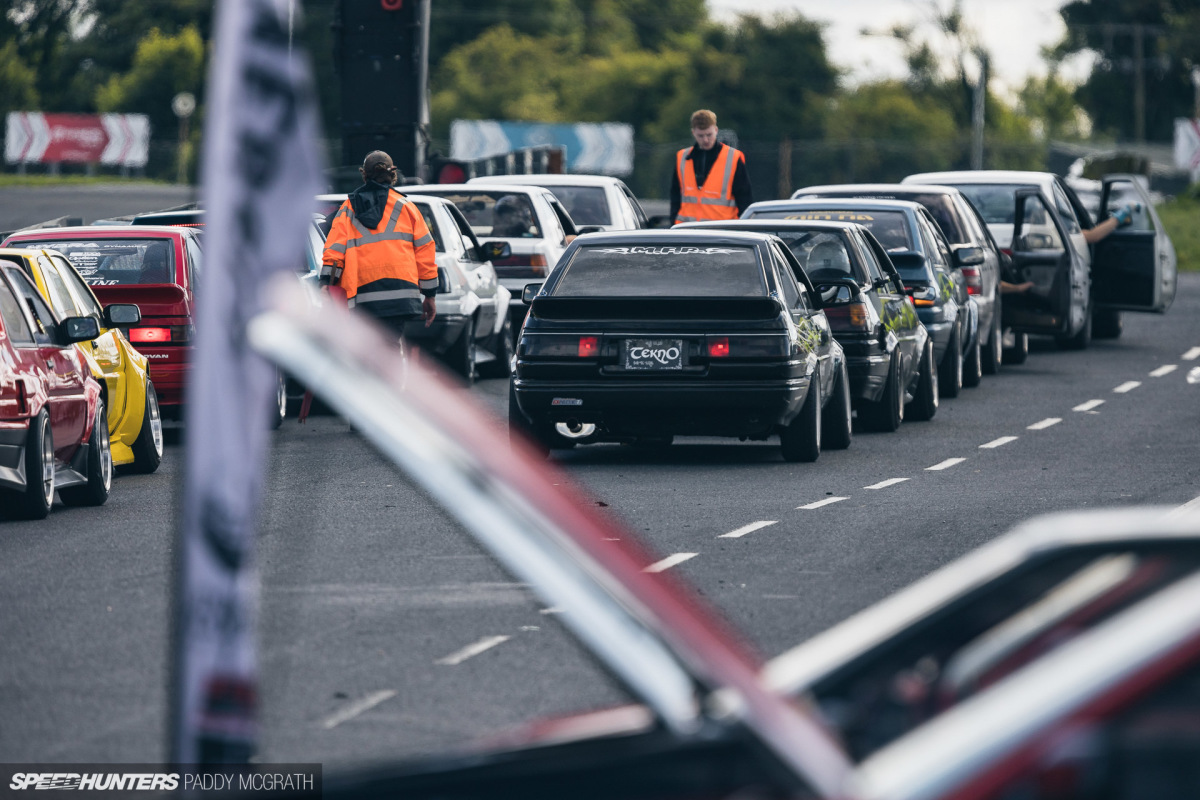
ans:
(1081, 339)
(1106, 323)
(993, 352)
(973, 366)
(950, 380)
(801, 439)
(99, 467)
(148, 446)
(461, 355)
(836, 424)
(502, 348)
(34, 501)
(886, 413)
(925, 401)
(1019, 351)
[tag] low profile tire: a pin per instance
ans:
(993, 351)
(950, 379)
(886, 413)
(461, 355)
(502, 348)
(1106, 323)
(1081, 339)
(801, 439)
(279, 408)
(836, 424)
(148, 446)
(99, 467)
(1019, 352)
(35, 500)
(973, 365)
(925, 402)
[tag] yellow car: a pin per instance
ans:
(134, 423)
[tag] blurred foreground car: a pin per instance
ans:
(599, 201)
(648, 335)
(1073, 648)
(889, 354)
(152, 267)
(53, 427)
(134, 423)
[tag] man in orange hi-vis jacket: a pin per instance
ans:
(379, 250)
(710, 180)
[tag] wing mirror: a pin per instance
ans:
(836, 293)
(443, 281)
(121, 315)
(78, 329)
(530, 291)
(492, 251)
(968, 256)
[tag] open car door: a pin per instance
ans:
(1040, 256)
(1134, 267)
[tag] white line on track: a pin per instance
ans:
(670, 561)
(947, 464)
(1165, 369)
(886, 484)
(826, 502)
(1088, 406)
(994, 443)
(1046, 423)
(1127, 386)
(357, 707)
(1190, 507)
(1192, 355)
(1194, 376)
(471, 650)
(751, 528)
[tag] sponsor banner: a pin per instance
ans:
(604, 148)
(1187, 146)
(261, 170)
(115, 781)
(121, 140)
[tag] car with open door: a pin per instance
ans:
(648, 335)
(869, 314)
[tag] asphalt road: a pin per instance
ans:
(24, 206)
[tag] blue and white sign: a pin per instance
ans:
(604, 148)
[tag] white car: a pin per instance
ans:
(471, 332)
(599, 201)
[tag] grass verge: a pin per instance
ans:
(1181, 217)
(12, 179)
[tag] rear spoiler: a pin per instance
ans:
(655, 308)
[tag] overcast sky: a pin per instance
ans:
(1013, 31)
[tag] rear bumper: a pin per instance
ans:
(13, 435)
(940, 333)
(170, 379)
(440, 336)
(867, 364)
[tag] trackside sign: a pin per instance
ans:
(118, 140)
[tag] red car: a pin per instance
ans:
(154, 267)
(53, 429)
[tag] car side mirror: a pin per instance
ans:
(968, 256)
(443, 281)
(881, 283)
(78, 329)
(530, 291)
(835, 293)
(121, 315)
(660, 221)
(490, 251)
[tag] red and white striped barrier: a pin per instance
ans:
(32, 137)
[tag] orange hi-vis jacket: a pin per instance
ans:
(387, 269)
(713, 200)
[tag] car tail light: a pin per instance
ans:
(521, 266)
(718, 347)
(560, 346)
(589, 346)
(974, 280)
(922, 296)
(849, 317)
(174, 334)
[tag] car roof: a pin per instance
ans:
(105, 232)
(476, 187)
(550, 179)
(675, 236)
(839, 203)
(999, 176)
(897, 188)
(770, 225)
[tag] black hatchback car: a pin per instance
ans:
(645, 335)
(869, 313)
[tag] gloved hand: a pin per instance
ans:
(1124, 216)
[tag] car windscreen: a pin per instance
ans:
(117, 262)
(427, 212)
(662, 271)
(996, 203)
(492, 214)
(585, 204)
(889, 227)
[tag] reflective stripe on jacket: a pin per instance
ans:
(389, 267)
(713, 200)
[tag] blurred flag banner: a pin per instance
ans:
(261, 169)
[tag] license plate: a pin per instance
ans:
(653, 354)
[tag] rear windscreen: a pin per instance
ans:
(117, 262)
(662, 271)
(996, 203)
(491, 214)
(585, 204)
(889, 227)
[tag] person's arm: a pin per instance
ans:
(676, 194)
(427, 272)
(333, 259)
(743, 192)
(1120, 219)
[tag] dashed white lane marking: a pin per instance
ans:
(1088, 406)
(1127, 386)
(1192, 355)
(1165, 369)
(751, 528)
(1194, 376)
(471, 650)
(1046, 423)
(994, 443)
(827, 501)
(357, 707)
(886, 484)
(1190, 507)
(670, 561)
(947, 464)
(551, 610)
